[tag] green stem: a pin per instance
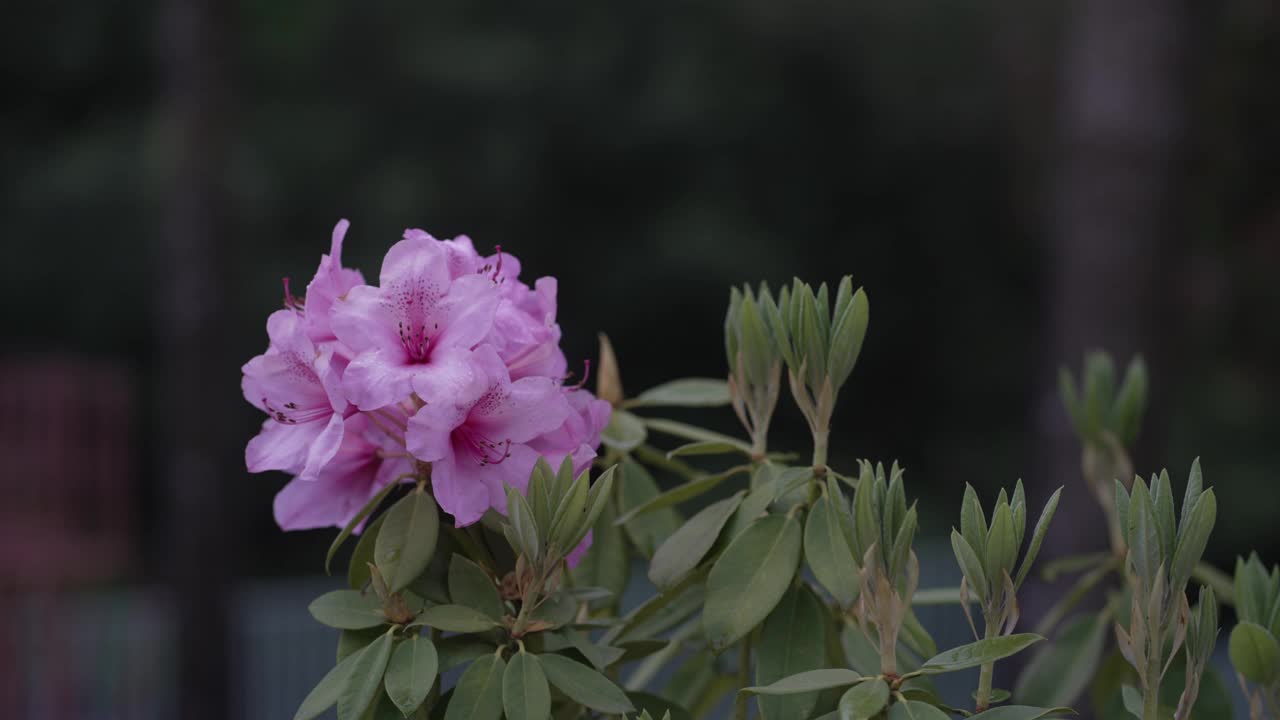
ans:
(741, 703)
(983, 699)
(820, 440)
(1151, 693)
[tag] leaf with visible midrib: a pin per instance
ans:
(411, 673)
(347, 610)
(807, 682)
(366, 679)
(471, 586)
(478, 694)
(792, 641)
(525, 694)
(864, 700)
(686, 392)
(584, 685)
(979, 653)
(456, 618)
(407, 540)
(749, 578)
(686, 547)
(325, 693)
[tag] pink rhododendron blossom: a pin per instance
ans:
(419, 321)
(331, 282)
(450, 364)
(364, 464)
(300, 390)
(475, 434)
(579, 435)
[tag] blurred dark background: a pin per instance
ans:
(1013, 183)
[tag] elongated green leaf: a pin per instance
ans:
(979, 653)
(456, 618)
(864, 700)
(1001, 550)
(598, 498)
(1195, 486)
(471, 586)
(1162, 504)
(1061, 670)
(827, 550)
(355, 521)
(1193, 540)
(352, 641)
(366, 679)
(793, 640)
(915, 710)
(1037, 537)
(605, 564)
(1254, 653)
(637, 487)
(686, 547)
(749, 578)
(525, 694)
(705, 447)
(807, 682)
(688, 392)
(1144, 534)
(358, 569)
(411, 673)
(325, 694)
(1022, 712)
(478, 694)
(562, 527)
(584, 685)
(348, 610)
(866, 517)
(407, 540)
(970, 565)
(691, 432)
(679, 494)
(523, 525)
(625, 432)
(973, 521)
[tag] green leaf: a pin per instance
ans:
(637, 487)
(1037, 537)
(525, 695)
(1193, 540)
(979, 653)
(1162, 505)
(749, 578)
(1195, 486)
(478, 694)
(692, 432)
(584, 685)
(366, 679)
(325, 694)
(624, 432)
(456, 618)
(460, 649)
(1254, 653)
(793, 640)
(471, 586)
(658, 707)
(411, 673)
(686, 547)
(807, 682)
(348, 610)
(352, 641)
(597, 498)
(1022, 712)
(679, 494)
(407, 539)
(973, 522)
(1061, 670)
(1144, 534)
(523, 525)
(605, 564)
(1131, 400)
(864, 700)
(688, 392)
(866, 518)
(915, 710)
(355, 521)
(704, 447)
(827, 550)
(1001, 547)
(847, 334)
(1132, 700)
(358, 569)
(562, 527)
(970, 565)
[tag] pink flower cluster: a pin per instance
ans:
(450, 362)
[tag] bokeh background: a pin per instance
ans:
(1013, 183)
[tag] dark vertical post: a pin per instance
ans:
(194, 404)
